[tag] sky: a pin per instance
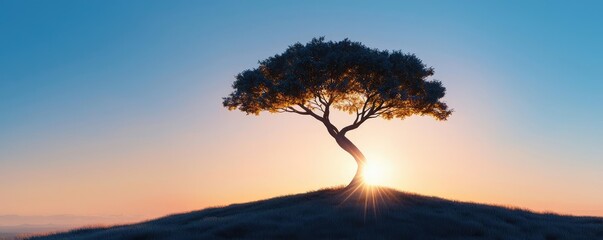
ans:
(113, 108)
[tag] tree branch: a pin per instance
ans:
(316, 105)
(367, 113)
(322, 99)
(310, 112)
(333, 131)
(364, 109)
(293, 110)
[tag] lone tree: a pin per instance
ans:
(315, 78)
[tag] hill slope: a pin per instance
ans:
(378, 213)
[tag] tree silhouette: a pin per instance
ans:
(315, 78)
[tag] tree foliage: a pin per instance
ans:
(321, 75)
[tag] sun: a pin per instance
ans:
(373, 174)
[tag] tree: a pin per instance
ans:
(315, 78)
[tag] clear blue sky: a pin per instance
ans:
(91, 78)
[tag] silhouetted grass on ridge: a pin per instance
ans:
(327, 214)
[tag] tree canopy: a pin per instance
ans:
(348, 76)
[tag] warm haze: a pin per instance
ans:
(114, 110)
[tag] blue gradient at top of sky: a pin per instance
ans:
(76, 71)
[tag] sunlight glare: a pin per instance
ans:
(373, 174)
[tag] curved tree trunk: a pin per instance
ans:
(349, 147)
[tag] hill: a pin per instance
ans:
(374, 213)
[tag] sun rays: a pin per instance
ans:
(373, 198)
(371, 192)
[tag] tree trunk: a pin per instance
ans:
(349, 147)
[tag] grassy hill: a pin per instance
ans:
(376, 213)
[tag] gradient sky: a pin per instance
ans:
(114, 107)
